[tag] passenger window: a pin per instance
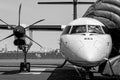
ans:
(66, 30)
(95, 29)
(78, 29)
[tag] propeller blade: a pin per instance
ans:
(7, 37)
(19, 14)
(7, 24)
(33, 41)
(35, 23)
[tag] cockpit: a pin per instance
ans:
(78, 29)
(87, 29)
(96, 29)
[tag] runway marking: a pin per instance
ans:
(30, 73)
(38, 69)
(35, 71)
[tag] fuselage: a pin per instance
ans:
(84, 42)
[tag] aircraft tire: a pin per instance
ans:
(28, 67)
(21, 66)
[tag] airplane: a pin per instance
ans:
(19, 32)
(85, 42)
(21, 38)
(91, 40)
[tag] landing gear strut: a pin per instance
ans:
(25, 66)
(85, 74)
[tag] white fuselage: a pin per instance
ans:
(86, 49)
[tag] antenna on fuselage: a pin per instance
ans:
(75, 2)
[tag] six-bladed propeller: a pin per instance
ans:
(20, 32)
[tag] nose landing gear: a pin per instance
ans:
(25, 66)
(85, 74)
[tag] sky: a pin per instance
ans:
(31, 12)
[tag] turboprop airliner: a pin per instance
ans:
(22, 40)
(84, 42)
(92, 40)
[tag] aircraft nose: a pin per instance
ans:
(80, 48)
(91, 54)
(93, 51)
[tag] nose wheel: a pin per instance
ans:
(25, 66)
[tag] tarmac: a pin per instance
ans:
(42, 69)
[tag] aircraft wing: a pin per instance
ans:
(37, 27)
(65, 2)
(47, 27)
(6, 27)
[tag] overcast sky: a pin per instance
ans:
(31, 12)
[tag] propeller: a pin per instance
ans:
(19, 15)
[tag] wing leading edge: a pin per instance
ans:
(65, 2)
(6, 27)
(47, 27)
(37, 27)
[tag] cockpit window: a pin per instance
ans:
(78, 29)
(106, 30)
(95, 29)
(66, 30)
